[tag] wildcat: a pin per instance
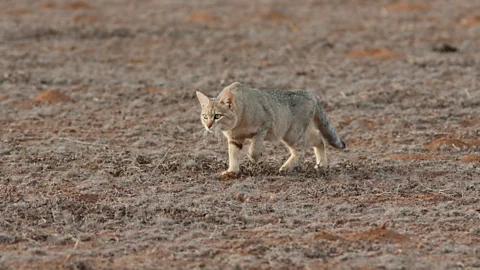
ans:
(294, 117)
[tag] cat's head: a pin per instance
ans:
(218, 113)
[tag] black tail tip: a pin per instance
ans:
(343, 145)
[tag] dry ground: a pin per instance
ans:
(111, 169)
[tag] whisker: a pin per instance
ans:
(199, 134)
(204, 137)
(219, 137)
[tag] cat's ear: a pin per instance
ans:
(204, 100)
(229, 99)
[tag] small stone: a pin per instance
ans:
(38, 251)
(240, 197)
(6, 239)
(160, 82)
(143, 160)
(85, 237)
(190, 164)
(444, 48)
(80, 265)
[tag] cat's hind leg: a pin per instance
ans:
(256, 146)
(319, 147)
(292, 160)
(320, 155)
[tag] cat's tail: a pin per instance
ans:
(326, 128)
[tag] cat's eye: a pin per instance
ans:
(204, 116)
(217, 116)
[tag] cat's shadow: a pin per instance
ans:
(270, 168)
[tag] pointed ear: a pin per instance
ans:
(204, 100)
(229, 99)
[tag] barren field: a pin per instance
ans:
(104, 163)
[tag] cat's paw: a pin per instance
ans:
(320, 165)
(254, 158)
(229, 172)
(285, 168)
(289, 165)
(227, 175)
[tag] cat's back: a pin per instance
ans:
(240, 91)
(245, 96)
(291, 97)
(254, 100)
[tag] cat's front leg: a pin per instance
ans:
(234, 148)
(256, 147)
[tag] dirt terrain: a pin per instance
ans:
(104, 163)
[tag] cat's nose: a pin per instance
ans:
(209, 124)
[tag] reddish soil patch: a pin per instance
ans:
(48, 5)
(472, 21)
(53, 96)
(363, 124)
(447, 142)
(470, 158)
(18, 11)
(326, 236)
(84, 19)
(159, 91)
(406, 6)
(24, 105)
(380, 235)
(273, 16)
(78, 5)
(379, 54)
(202, 17)
(474, 143)
(469, 123)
